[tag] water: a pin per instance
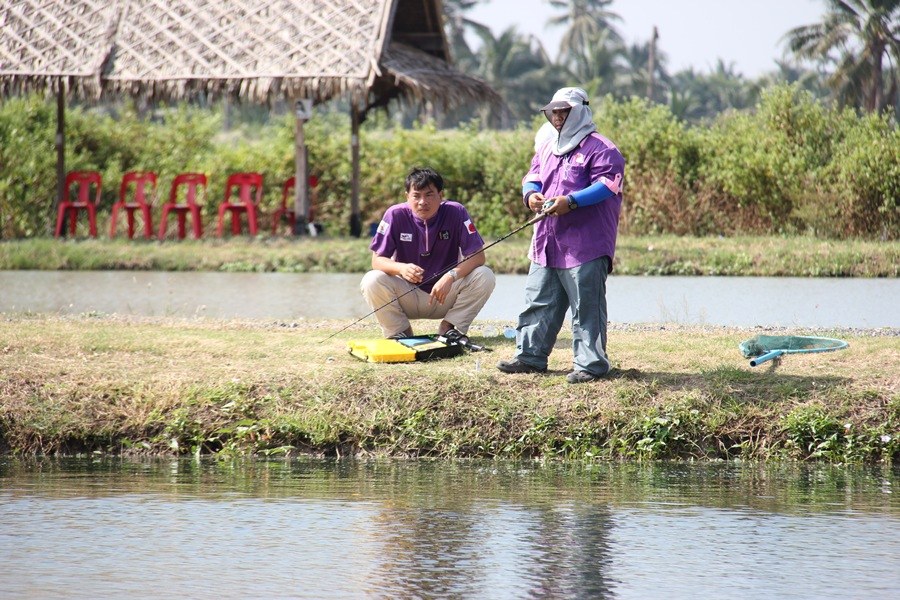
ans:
(734, 301)
(347, 529)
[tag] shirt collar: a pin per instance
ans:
(423, 223)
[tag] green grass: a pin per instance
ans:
(635, 255)
(164, 386)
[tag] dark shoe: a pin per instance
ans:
(514, 366)
(581, 377)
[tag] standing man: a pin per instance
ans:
(576, 179)
(416, 243)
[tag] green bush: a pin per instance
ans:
(864, 178)
(27, 167)
(662, 162)
(762, 163)
(650, 138)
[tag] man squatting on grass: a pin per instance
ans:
(415, 241)
(578, 174)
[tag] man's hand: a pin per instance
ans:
(412, 273)
(536, 201)
(559, 207)
(440, 290)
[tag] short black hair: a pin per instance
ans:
(421, 177)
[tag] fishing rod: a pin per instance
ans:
(440, 273)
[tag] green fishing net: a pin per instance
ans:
(763, 344)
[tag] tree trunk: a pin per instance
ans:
(877, 80)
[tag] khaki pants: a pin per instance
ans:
(467, 296)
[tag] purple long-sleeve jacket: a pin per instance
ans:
(588, 232)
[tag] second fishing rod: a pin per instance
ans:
(440, 273)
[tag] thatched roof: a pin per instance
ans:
(257, 50)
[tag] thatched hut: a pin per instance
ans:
(367, 51)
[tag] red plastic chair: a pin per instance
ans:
(246, 202)
(82, 180)
(193, 183)
(141, 201)
(287, 202)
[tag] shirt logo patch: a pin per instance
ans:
(383, 227)
(405, 237)
(579, 159)
(470, 226)
(444, 234)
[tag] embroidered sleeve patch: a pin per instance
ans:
(383, 227)
(470, 226)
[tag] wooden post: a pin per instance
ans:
(303, 111)
(355, 219)
(651, 63)
(60, 152)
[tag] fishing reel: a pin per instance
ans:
(456, 337)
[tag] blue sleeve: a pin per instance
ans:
(592, 194)
(530, 186)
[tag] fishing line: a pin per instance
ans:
(531, 221)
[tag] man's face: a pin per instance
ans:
(558, 116)
(424, 202)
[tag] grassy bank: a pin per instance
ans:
(151, 386)
(636, 255)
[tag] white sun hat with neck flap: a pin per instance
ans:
(568, 97)
(580, 122)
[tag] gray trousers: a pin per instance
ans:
(466, 297)
(549, 293)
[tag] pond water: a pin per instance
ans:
(735, 301)
(307, 528)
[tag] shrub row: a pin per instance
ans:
(791, 166)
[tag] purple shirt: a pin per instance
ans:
(588, 232)
(434, 245)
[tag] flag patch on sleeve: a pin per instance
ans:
(615, 185)
(470, 226)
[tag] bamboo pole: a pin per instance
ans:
(355, 219)
(303, 109)
(60, 143)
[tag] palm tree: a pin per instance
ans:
(695, 97)
(519, 69)
(858, 37)
(596, 67)
(584, 20)
(456, 24)
(810, 80)
(634, 77)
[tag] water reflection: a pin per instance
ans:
(345, 529)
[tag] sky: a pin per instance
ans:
(692, 33)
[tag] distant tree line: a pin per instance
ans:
(849, 59)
